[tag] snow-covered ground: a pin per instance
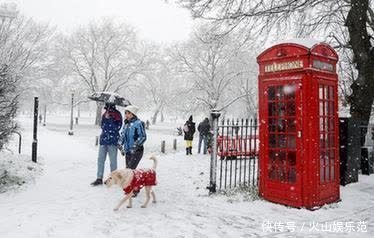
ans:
(57, 200)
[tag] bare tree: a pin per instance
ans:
(351, 22)
(22, 53)
(161, 83)
(210, 66)
(105, 57)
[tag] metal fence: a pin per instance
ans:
(237, 151)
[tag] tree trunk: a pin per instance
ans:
(154, 117)
(79, 111)
(361, 99)
(99, 108)
(162, 117)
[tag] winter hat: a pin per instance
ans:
(190, 118)
(133, 109)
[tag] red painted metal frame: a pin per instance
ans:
(233, 146)
(307, 68)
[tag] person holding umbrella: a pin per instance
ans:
(132, 138)
(111, 123)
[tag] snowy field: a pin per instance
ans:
(56, 200)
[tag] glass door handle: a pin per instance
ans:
(298, 134)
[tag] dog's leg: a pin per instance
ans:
(123, 200)
(148, 196)
(153, 196)
(130, 202)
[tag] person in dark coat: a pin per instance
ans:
(189, 129)
(203, 128)
(111, 123)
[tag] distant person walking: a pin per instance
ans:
(203, 128)
(133, 136)
(189, 129)
(111, 123)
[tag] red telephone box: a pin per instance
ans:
(298, 105)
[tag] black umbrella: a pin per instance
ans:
(109, 97)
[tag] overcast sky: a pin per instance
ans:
(154, 19)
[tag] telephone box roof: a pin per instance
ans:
(297, 47)
(307, 42)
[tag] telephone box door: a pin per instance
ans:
(283, 144)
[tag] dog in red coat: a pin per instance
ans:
(131, 181)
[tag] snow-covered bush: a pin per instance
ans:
(16, 171)
(8, 104)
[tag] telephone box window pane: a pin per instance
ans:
(271, 93)
(331, 140)
(292, 175)
(331, 92)
(322, 166)
(322, 141)
(327, 168)
(325, 121)
(279, 94)
(272, 109)
(332, 154)
(281, 109)
(331, 109)
(289, 91)
(281, 166)
(272, 125)
(282, 141)
(291, 108)
(273, 165)
(321, 113)
(291, 125)
(325, 91)
(272, 173)
(282, 173)
(281, 125)
(332, 170)
(272, 157)
(321, 124)
(326, 111)
(331, 126)
(320, 92)
(322, 174)
(326, 141)
(292, 158)
(332, 164)
(272, 141)
(291, 141)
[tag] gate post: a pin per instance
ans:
(215, 114)
(35, 131)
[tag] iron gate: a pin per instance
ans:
(237, 151)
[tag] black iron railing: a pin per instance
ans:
(237, 150)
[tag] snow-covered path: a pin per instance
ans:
(61, 203)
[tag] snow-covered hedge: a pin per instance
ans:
(8, 104)
(17, 170)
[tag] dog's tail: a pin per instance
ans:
(154, 162)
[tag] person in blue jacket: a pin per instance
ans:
(132, 138)
(111, 123)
